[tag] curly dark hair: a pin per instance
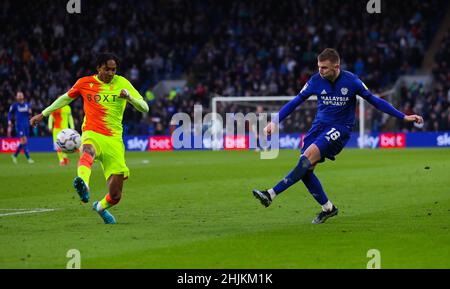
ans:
(103, 58)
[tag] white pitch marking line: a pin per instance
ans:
(22, 211)
(19, 209)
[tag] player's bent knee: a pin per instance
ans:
(304, 162)
(309, 159)
(89, 149)
(312, 153)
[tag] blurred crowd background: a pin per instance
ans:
(227, 48)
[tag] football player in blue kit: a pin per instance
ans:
(21, 111)
(336, 92)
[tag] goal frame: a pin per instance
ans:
(285, 98)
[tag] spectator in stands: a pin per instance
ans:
(221, 47)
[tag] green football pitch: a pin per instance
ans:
(196, 210)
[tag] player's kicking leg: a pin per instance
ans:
(308, 159)
(303, 171)
(115, 185)
(81, 181)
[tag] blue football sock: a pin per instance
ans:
(314, 187)
(294, 176)
(19, 148)
(26, 151)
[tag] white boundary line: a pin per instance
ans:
(24, 211)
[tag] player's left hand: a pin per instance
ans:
(125, 94)
(270, 128)
(414, 118)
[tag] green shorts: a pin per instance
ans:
(109, 151)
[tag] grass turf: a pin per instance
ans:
(196, 210)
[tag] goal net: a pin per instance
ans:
(299, 121)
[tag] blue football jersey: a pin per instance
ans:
(21, 112)
(336, 101)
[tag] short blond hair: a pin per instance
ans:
(329, 54)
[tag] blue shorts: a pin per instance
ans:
(23, 130)
(330, 139)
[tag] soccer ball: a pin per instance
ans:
(68, 140)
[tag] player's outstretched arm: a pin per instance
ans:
(386, 107)
(61, 101)
(289, 107)
(285, 111)
(138, 103)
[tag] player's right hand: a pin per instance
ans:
(36, 119)
(414, 118)
(125, 94)
(269, 129)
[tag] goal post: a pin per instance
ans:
(217, 99)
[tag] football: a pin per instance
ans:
(68, 140)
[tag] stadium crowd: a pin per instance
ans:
(221, 47)
(440, 99)
(44, 53)
(433, 103)
(269, 48)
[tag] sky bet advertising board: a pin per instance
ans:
(244, 142)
